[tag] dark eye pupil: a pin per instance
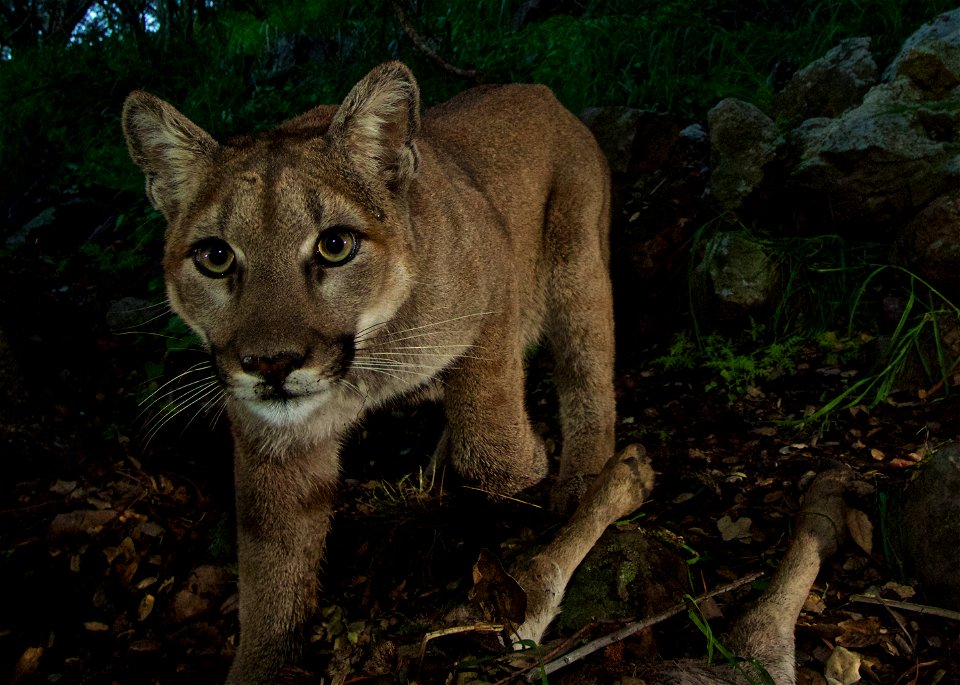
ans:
(218, 256)
(335, 244)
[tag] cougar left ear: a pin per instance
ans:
(376, 124)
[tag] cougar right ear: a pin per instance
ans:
(376, 124)
(173, 152)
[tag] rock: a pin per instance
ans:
(626, 574)
(77, 524)
(203, 588)
(736, 276)
(930, 527)
(743, 141)
(873, 166)
(930, 58)
(41, 220)
(656, 211)
(877, 164)
(930, 244)
(615, 129)
(830, 85)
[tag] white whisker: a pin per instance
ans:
(390, 334)
(396, 363)
(392, 371)
(199, 396)
(352, 387)
(197, 368)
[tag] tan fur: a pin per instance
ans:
(483, 229)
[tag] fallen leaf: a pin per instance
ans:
(860, 632)
(146, 582)
(63, 487)
(146, 607)
(814, 603)
(902, 591)
(843, 667)
(26, 665)
(77, 523)
(495, 592)
(901, 463)
(96, 626)
(861, 529)
(877, 454)
(734, 530)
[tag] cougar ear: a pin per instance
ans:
(376, 125)
(173, 152)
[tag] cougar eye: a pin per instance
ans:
(337, 246)
(214, 258)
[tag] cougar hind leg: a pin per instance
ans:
(579, 332)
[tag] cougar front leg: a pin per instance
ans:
(488, 435)
(284, 504)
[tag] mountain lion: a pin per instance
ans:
(359, 253)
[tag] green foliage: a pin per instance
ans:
(134, 256)
(233, 66)
(733, 366)
(917, 338)
(751, 670)
(830, 291)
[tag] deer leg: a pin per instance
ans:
(622, 486)
(765, 631)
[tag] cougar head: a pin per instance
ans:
(283, 249)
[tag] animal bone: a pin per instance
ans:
(763, 633)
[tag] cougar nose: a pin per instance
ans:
(275, 369)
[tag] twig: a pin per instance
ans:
(908, 606)
(491, 493)
(424, 47)
(560, 649)
(632, 628)
(455, 630)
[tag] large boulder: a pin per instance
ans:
(737, 276)
(830, 85)
(743, 140)
(929, 526)
(877, 164)
(930, 244)
(930, 58)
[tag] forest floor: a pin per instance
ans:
(116, 544)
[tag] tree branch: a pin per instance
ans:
(424, 47)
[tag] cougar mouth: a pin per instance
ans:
(280, 406)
